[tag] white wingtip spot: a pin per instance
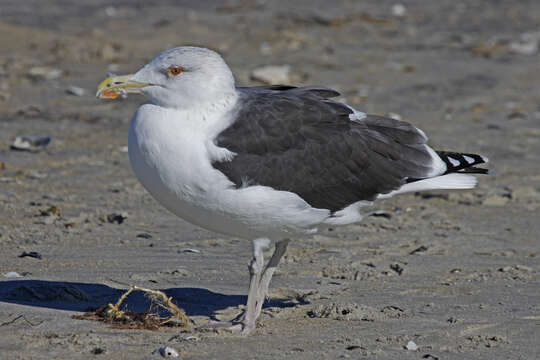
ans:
(486, 160)
(468, 159)
(453, 161)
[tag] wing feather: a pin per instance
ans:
(298, 140)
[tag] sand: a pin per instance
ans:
(455, 273)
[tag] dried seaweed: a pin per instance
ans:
(148, 320)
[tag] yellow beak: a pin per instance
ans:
(114, 86)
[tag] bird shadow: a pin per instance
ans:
(74, 296)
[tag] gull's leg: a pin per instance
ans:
(246, 321)
(260, 277)
(255, 271)
(262, 291)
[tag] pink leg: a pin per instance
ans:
(258, 286)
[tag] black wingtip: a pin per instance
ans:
(463, 162)
(476, 170)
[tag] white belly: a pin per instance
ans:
(169, 155)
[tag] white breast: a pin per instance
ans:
(170, 152)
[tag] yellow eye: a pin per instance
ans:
(175, 70)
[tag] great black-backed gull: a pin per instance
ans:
(269, 163)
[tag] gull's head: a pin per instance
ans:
(182, 77)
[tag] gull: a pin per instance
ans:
(269, 163)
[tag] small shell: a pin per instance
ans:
(411, 345)
(167, 352)
(190, 250)
(31, 143)
(13, 275)
(76, 91)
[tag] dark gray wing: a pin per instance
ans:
(297, 140)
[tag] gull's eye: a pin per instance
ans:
(175, 70)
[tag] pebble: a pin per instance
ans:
(117, 218)
(527, 44)
(397, 268)
(44, 73)
(75, 90)
(272, 74)
(411, 346)
(190, 250)
(29, 111)
(51, 196)
(524, 48)
(517, 115)
(31, 143)
(144, 236)
(50, 211)
(516, 268)
(46, 219)
(37, 175)
(98, 351)
(12, 275)
(419, 249)
(33, 254)
(399, 10)
(167, 352)
(110, 11)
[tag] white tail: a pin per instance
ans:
(443, 182)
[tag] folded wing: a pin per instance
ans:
(298, 140)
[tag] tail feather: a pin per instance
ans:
(454, 181)
(463, 163)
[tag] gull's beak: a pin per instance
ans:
(114, 86)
